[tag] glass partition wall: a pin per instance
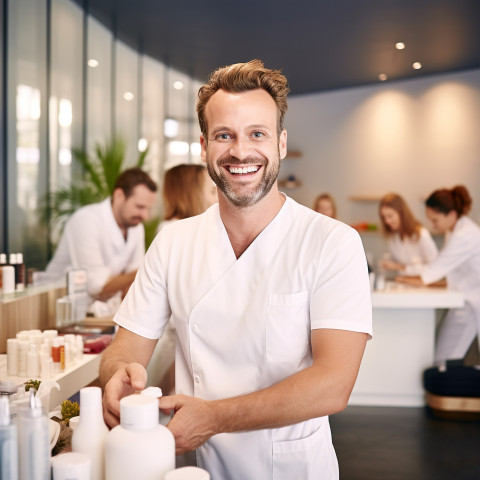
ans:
(27, 127)
(70, 83)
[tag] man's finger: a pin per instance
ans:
(138, 376)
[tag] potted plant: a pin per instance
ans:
(100, 174)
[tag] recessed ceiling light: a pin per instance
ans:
(142, 144)
(178, 85)
(92, 63)
(399, 45)
(382, 77)
(128, 96)
(417, 65)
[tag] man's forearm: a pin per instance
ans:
(126, 348)
(311, 393)
(118, 283)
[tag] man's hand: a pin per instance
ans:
(129, 379)
(391, 265)
(192, 423)
(414, 281)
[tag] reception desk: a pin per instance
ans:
(402, 347)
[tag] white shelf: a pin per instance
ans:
(70, 381)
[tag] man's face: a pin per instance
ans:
(243, 150)
(134, 209)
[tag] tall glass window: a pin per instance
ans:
(126, 99)
(66, 92)
(99, 83)
(177, 127)
(27, 128)
(152, 115)
(3, 108)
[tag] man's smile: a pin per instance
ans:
(242, 170)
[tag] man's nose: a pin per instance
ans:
(239, 148)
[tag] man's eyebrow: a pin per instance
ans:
(219, 129)
(249, 127)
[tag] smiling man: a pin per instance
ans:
(271, 303)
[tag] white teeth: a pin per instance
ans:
(249, 169)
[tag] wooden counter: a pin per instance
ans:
(32, 309)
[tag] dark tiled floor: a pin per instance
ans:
(404, 444)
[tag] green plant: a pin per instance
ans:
(99, 176)
(35, 384)
(69, 409)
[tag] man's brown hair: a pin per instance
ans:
(242, 77)
(132, 177)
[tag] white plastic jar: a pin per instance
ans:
(140, 447)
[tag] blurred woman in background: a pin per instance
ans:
(188, 190)
(325, 204)
(409, 243)
(459, 262)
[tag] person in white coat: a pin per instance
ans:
(459, 262)
(107, 239)
(409, 242)
(271, 303)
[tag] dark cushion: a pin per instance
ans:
(455, 381)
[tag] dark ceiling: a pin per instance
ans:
(319, 44)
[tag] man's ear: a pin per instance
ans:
(282, 144)
(203, 145)
(118, 195)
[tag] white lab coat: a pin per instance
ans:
(244, 324)
(411, 251)
(459, 262)
(93, 240)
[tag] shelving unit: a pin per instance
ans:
(289, 184)
(365, 198)
(292, 154)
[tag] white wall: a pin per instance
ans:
(409, 136)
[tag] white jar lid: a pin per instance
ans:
(139, 412)
(188, 473)
(71, 465)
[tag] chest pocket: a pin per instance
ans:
(287, 326)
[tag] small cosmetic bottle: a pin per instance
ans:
(8, 443)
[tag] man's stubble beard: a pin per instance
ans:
(249, 199)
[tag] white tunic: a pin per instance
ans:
(459, 262)
(244, 324)
(93, 240)
(411, 251)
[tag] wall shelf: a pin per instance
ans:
(289, 184)
(292, 154)
(365, 198)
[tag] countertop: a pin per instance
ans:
(401, 296)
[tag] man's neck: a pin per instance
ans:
(243, 225)
(118, 219)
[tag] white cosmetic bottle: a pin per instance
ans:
(34, 442)
(8, 443)
(89, 436)
(140, 447)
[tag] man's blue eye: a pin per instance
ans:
(258, 134)
(223, 136)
